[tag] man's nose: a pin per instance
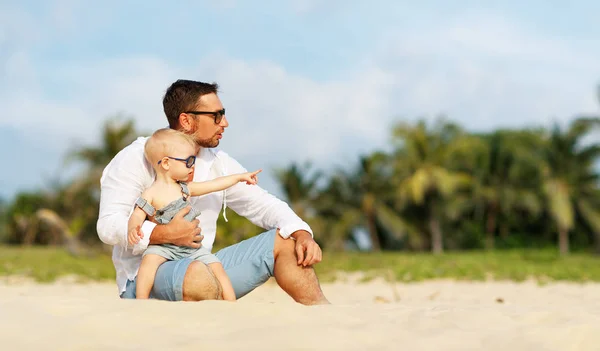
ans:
(224, 123)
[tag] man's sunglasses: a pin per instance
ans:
(189, 162)
(217, 115)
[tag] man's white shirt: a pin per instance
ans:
(129, 174)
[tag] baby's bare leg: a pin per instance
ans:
(219, 272)
(146, 274)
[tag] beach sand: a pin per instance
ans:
(435, 315)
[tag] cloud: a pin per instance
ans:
(487, 72)
(299, 117)
(15, 25)
(309, 7)
(480, 69)
(275, 116)
(63, 14)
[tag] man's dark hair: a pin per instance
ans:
(182, 96)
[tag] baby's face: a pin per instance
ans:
(178, 169)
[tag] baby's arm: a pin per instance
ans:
(137, 218)
(222, 183)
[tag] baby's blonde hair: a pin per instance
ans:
(162, 142)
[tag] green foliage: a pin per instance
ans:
(570, 183)
(236, 229)
(3, 221)
(439, 187)
(19, 214)
(31, 218)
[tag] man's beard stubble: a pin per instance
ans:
(206, 143)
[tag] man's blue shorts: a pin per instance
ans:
(248, 264)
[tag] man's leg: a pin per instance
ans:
(301, 283)
(253, 261)
(200, 283)
(249, 263)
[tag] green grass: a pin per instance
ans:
(46, 264)
(515, 265)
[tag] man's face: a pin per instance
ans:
(203, 127)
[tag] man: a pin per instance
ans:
(286, 251)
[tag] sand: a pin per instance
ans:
(436, 315)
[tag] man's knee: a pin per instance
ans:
(200, 284)
(283, 246)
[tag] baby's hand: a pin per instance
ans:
(135, 234)
(250, 178)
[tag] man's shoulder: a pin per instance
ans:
(132, 150)
(130, 156)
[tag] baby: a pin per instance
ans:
(172, 155)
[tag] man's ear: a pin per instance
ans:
(186, 122)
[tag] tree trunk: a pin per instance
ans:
(61, 230)
(597, 242)
(504, 229)
(437, 243)
(368, 208)
(375, 244)
(490, 229)
(563, 241)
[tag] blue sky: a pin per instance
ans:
(301, 79)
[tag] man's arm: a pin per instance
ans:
(260, 207)
(123, 181)
(267, 211)
(179, 231)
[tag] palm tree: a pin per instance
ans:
(67, 212)
(117, 133)
(505, 176)
(20, 215)
(299, 184)
(570, 182)
(363, 197)
(422, 172)
(3, 220)
(79, 204)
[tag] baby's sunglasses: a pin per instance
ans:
(189, 162)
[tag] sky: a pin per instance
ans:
(301, 80)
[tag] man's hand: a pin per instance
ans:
(179, 231)
(307, 249)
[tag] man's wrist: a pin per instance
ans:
(160, 234)
(299, 234)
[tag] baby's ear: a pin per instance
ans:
(164, 163)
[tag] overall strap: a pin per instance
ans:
(145, 206)
(184, 190)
